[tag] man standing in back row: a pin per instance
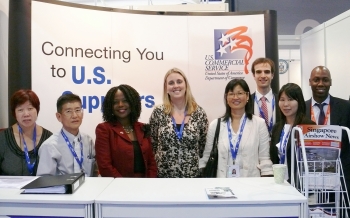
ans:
(265, 101)
(325, 109)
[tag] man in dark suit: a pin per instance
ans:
(265, 101)
(325, 109)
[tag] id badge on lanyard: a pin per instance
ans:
(79, 161)
(30, 166)
(232, 171)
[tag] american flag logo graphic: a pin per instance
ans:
(233, 44)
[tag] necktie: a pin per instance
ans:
(76, 145)
(321, 117)
(264, 109)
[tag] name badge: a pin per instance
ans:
(232, 171)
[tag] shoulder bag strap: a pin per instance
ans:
(217, 132)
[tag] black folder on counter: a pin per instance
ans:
(62, 184)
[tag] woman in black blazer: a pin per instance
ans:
(292, 107)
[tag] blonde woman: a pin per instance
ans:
(178, 129)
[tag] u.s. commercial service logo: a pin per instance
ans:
(232, 53)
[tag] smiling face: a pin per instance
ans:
(71, 116)
(237, 98)
(121, 107)
(289, 107)
(263, 77)
(176, 86)
(320, 82)
(26, 114)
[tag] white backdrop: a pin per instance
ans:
(328, 45)
(312, 55)
(147, 46)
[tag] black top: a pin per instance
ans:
(178, 126)
(139, 164)
(276, 133)
(12, 158)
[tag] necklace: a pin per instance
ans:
(128, 129)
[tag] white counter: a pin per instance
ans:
(78, 204)
(256, 197)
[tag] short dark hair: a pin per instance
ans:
(20, 97)
(293, 91)
(65, 98)
(248, 107)
(263, 61)
(131, 96)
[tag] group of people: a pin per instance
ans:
(254, 130)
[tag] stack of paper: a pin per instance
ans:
(48, 190)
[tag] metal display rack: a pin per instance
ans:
(319, 179)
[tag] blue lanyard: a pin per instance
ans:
(30, 166)
(269, 127)
(282, 149)
(80, 162)
(234, 150)
(179, 133)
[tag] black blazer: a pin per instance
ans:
(340, 115)
(277, 107)
(275, 139)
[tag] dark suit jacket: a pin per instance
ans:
(340, 115)
(112, 159)
(275, 139)
(277, 107)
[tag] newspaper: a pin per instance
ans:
(322, 146)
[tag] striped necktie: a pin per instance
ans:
(264, 109)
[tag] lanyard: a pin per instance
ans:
(80, 162)
(326, 116)
(282, 149)
(234, 150)
(30, 166)
(269, 127)
(179, 133)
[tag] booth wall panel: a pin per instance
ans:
(338, 55)
(312, 55)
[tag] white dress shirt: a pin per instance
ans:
(55, 157)
(270, 97)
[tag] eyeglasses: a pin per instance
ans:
(70, 113)
(265, 71)
(237, 94)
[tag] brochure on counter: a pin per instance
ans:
(220, 193)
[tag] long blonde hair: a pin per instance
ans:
(190, 102)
